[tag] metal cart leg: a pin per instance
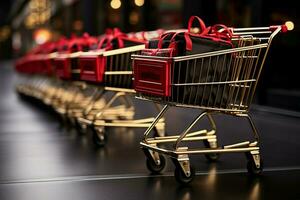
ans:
(254, 160)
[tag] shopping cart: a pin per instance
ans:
(219, 82)
(116, 80)
(70, 93)
(35, 70)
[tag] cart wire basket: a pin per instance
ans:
(218, 82)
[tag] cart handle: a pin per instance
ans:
(287, 26)
(284, 28)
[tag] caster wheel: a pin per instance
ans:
(253, 170)
(99, 136)
(154, 167)
(212, 157)
(181, 177)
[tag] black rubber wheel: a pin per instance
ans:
(252, 169)
(181, 177)
(212, 157)
(99, 136)
(154, 167)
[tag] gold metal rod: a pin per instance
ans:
(185, 132)
(215, 83)
(219, 150)
(146, 120)
(237, 145)
(111, 124)
(156, 120)
(84, 121)
(119, 89)
(186, 139)
(188, 135)
(118, 72)
(124, 50)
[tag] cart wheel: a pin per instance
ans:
(212, 157)
(154, 167)
(253, 170)
(181, 177)
(99, 136)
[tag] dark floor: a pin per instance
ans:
(41, 160)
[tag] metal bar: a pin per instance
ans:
(201, 132)
(237, 145)
(186, 80)
(119, 89)
(157, 118)
(121, 124)
(215, 83)
(185, 132)
(220, 52)
(200, 151)
(186, 139)
(124, 50)
(252, 33)
(145, 120)
(118, 73)
(218, 150)
(235, 111)
(202, 55)
(251, 28)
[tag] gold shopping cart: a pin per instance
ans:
(219, 82)
(119, 110)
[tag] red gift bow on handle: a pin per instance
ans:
(110, 36)
(89, 40)
(217, 32)
(160, 41)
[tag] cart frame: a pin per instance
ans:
(180, 152)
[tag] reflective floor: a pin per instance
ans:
(40, 159)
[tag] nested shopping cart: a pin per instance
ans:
(71, 94)
(112, 71)
(218, 82)
(94, 100)
(35, 68)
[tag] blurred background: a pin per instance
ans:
(26, 23)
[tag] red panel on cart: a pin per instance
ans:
(92, 68)
(152, 77)
(62, 68)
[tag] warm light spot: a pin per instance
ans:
(139, 2)
(115, 4)
(289, 25)
(133, 18)
(78, 25)
(41, 36)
